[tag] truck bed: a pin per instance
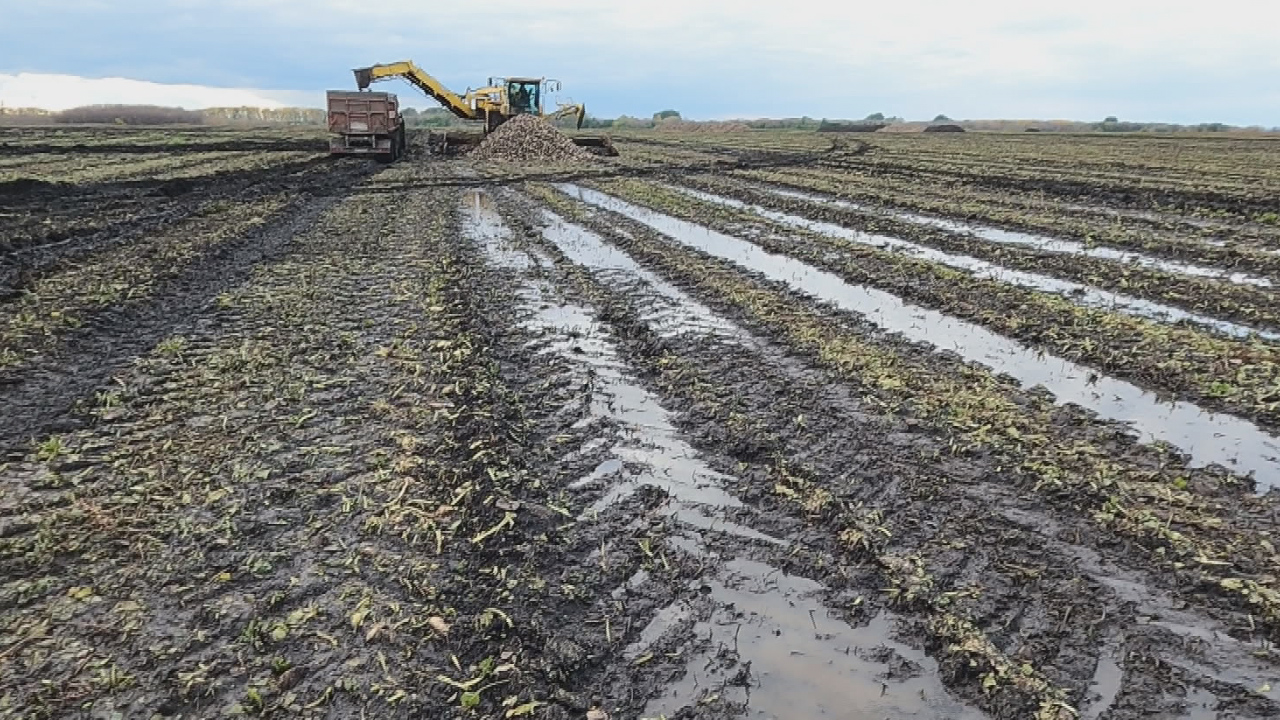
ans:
(365, 123)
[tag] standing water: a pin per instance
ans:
(792, 655)
(1038, 242)
(1077, 292)
(1208, 438)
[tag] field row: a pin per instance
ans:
(458, 440)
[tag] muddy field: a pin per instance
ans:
(754, 425)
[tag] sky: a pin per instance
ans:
(1143, 60)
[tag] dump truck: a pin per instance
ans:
(366, 123)
(499, 100)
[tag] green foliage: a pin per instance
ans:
(1111, 124)
(435, 117)
(626, 121)
(129, 115)
(590, 121)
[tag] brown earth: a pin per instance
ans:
(439, 440)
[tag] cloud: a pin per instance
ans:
(59, 92)
(980, 58)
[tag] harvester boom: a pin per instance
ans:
(423, 80)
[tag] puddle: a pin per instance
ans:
(1105, 686)
(1076, 292)
(602, 471)
(788, 657)
(672, 311)
(800, 658)
(1201, 704)
(793, 658)
(1038, 242)
(1207, 649)
(1208, 438)
(651, 451)
(1153, 215)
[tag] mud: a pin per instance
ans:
(1206, 438)
(269, 144)
(419, 444)
(1219, 293)
(1078, 292)
(1114, 192)
(61, 219)
(39, 395)
(760, 402)
(1047, 244)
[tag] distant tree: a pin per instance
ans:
(664, 114)
(129, 115)
(1111, 119)
(942, 118)
(875, 117)
(1113, 125)
(626, 121)
(591, 121)
(432, 117)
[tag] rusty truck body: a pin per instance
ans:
(366, 123)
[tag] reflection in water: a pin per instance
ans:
(1078, 293)
(1039, 242)
(1235, 443)
(791, 657)
(651, 444)
(804, 662)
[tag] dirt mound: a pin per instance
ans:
(528, 138)
(944, 129)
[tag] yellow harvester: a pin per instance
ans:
(498, 101)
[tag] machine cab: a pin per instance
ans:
(524, 94)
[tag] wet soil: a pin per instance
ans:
(855, 455)
(865, 228)
(768, 306)
(95, 140)
(340, 484)
(1094, 190)
(38, 393)
(418, 446)
(865, 279)
(1222, 293)
(56, 219)
(1225, 242)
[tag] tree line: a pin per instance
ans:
(437, 117)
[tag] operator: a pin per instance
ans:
(520, 99)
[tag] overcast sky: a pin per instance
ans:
(1171, 60)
